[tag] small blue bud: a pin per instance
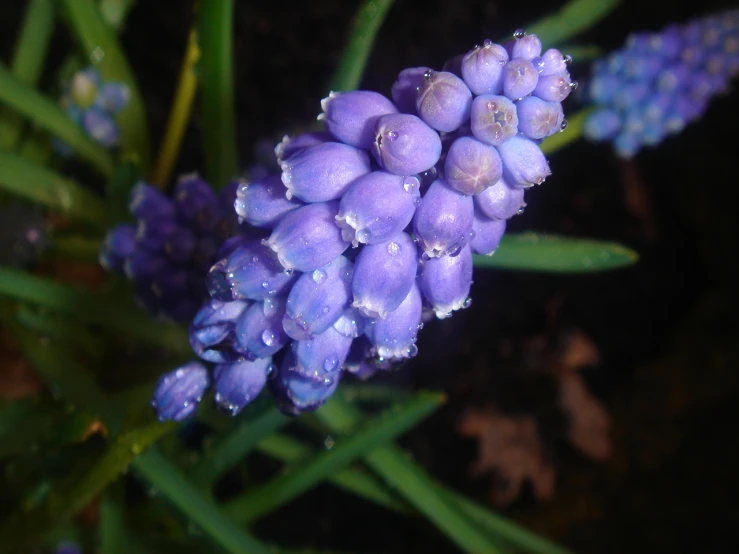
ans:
(443, 101)
(259, 332)
(394, 338)
(238, 383)
(351, 116)
(212, 330)
(120, 243)
(405, 87)
(488, 233)
(113, 97)
(323, 172)
(383, 275)
(443, 220)
(318, 298)
(263, 203)
(537, 118)
(101, 126)
(296, 394)
(445, 282)
(178, 392)
(493, 119)
(147, 202)
(482, 68)
(524, 164)
(552, 62)
(322, 357)
(472, 166)
(526, 47)
(377, 206)
(308, 238)
(290, 146)
(405, 145)
(519, 78)
(501, 201)
(553, 88)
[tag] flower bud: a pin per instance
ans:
(351, 323)
(501, 201)
(211, 330)
(405, 87)
(296, 394)
(519, 78)
(290, 146)
(443, 101)
(493, 119)
(308, 238)
(351, 116)
(488, 233)
(405, 145)
(445, 282)
(553, 88)
(538, 119)
(383, 275)
(524, 164)
(323, 172)
(443, 220)
(178, 392)
(120, 243)
(527, 47)
(318, 298)
(113, 97)
(101, 126)
(472, 166)
(148, 202)
(552, 62)
(377, 206)
(394, 337)
(238, 383)
(321, 358)
(482, 68)
(259, 332)
(263, 203)
(194, 199)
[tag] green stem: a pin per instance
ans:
(365, 26)
(576, 16)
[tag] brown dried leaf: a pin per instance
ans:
(590, 422)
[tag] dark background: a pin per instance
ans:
(666, 328)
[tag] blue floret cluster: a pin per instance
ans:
(660, 82)
(171, 245)
(93, 105)
(369, 228)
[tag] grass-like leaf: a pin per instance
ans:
(118, 194)
(300, 478)
(114, 12)
(575, 17)
(99, 41)
(112, 530)
(45, 113)
(556, 254)
(365, 26)
(41, 185)
(215, 31)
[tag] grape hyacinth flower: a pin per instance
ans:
(660, 82)
(93, 104)
(370, 228)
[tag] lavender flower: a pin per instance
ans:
(178, 392)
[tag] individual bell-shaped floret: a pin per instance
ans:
(524, 164)
(443, 220)
(251, 271)
(482, 68)
(212, 330)
(525, 46)
(290, 146)
(493, 119)
(405, 145)
(238, 383)
(120, 243)
(405, 87)
(351, 116)
(259, 332)
(537, 118)
(323, 172)
(519, 78)
(501, 201)
(472, 166)
(321, 357)
(488, 233)
(308, 238)
(318, 298)
(101, 126)
(443, 101)
(394, 338)
(148, 202)
(178, 392)
(351, 323)
(194, 199)
(445, 282)
(263, 203)
(295, 393)
(554, 88)
(552, 62)
(383, 275)
(377, 206)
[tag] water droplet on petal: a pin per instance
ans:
(319, 276)
(519, 33)
(393, 248)
(364, 235)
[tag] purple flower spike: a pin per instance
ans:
(318, 298)
(152, 234)
(394, 338)
(249, 272)
(323, 172)
(472, 166)
(383, 275)
(443, 220)
(524, 163)
(120, 243)
(322, 357)
(180, 245)
(239, 383)
(101, 126)
(553, 88)
(377, 206)
(501, 201)
(148, 202)
(296, 394)
(178, 392)
(194, 199)
(259, 332)
(351, 116)
(290, 146)
(494, 119)
(264, 202)
(445, 282)
(527, 47)
(602, 125)
(537, 118)
(443, 101)
(405, 87)
(482, 68)
(519, 78)
(405, 145)
(211, 331)
(488, 233)
(308, 238)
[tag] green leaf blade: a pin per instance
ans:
(575, 17)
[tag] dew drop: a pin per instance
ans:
(568, 59)
(364, 235)
(393, 248)
(392, 136)
(319, 276)
(519, 33)
(328, 443)
(564, 125)
(411, 184)
(573, 85)
(268, 338)
(467, 303)
(411, 351)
